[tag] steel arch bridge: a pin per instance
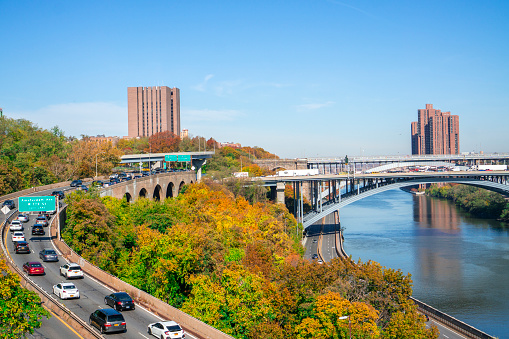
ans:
(492, 183)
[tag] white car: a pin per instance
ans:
(166, 330)
(16, 225)
(66, 290)
(18, 236)
(71, 270)
(23, 217)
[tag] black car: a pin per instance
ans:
(21, 247)
(59, 194)
(48, 254)
(38, 230)
(119, 301)
(114, 181)
(108, 320)
(76, 183)
(9, 203)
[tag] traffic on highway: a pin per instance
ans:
(86, 297)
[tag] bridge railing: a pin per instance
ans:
(450, 322)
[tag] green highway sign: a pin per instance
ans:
(37, 204)
(170, 157)
(184, 158)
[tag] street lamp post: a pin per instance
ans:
(349, 324)
(96, 163)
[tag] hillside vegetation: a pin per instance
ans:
(476, 201)
(239, 267)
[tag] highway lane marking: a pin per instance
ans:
(143, 335)
(63, 322)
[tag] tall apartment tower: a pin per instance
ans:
(153, 109)
(435, 132)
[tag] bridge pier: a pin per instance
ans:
(280, 192)
(198, 164)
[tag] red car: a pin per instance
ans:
(33, 267)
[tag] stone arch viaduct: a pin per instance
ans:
(154, 187)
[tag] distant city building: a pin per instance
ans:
(435, 132)
(152, 110)
(102, 138)
(184, 134)
(230, 144)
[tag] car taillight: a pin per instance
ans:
(167, 332)
(119, 303)
(64, 291)
(107, 325)
(123, 323)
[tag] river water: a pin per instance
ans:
(459, 264)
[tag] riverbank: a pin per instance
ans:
(477, 202)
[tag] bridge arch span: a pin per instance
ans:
(170, 190)
(313, 217)
(157, 193)
(182, 183)
(128, 197)
(142, 193)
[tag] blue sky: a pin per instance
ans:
(298, 78)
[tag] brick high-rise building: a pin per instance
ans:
(435, 132)
(152, 110)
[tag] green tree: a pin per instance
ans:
(20, 309)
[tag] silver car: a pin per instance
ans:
(48, 254)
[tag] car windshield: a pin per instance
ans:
(69, 287)
(36, 265)
(75, 268)
(15, 222)
(115, 317)
(174, 328)
(50, 252)
(41, 218)
(123, 296)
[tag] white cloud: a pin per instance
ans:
(201, 115)
(89, 118)
(314, 106)
(201, 86)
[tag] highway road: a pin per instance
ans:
(92, 292)
(324, 229)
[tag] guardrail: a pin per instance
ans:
(80, 326)
(453, 323)
(159, 307)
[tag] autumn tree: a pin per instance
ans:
(20, 309)
(163, 142)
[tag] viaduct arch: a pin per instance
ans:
(154, 187)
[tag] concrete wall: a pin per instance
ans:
(159, 307)
(162, 185)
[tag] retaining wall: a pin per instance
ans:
(159, 307)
